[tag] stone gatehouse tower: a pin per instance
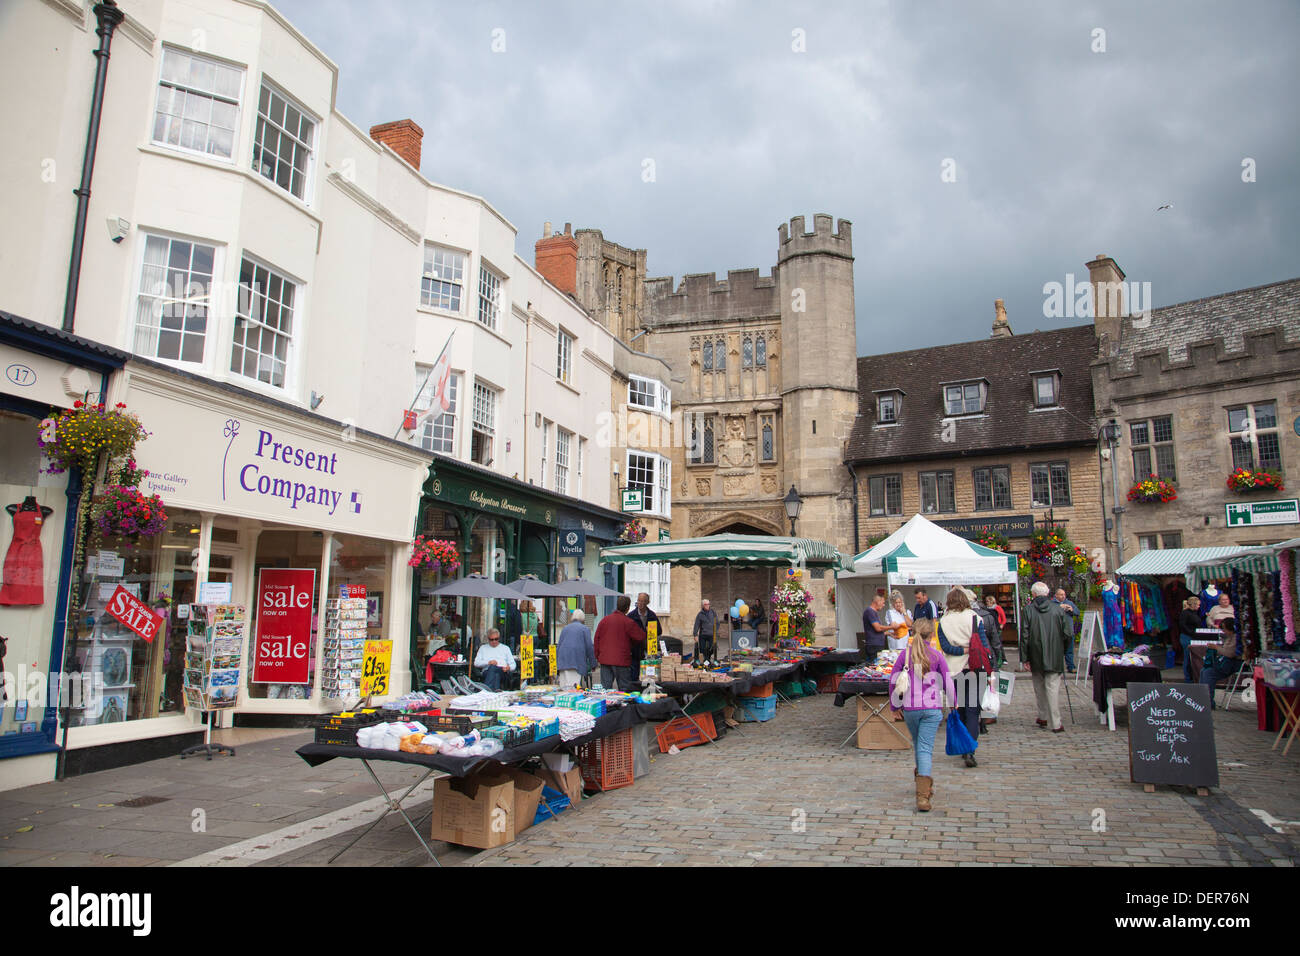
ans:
(765, 387)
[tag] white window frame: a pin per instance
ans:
(563, 442)
(546, 444)
(168, 299)
(248, 299)
(484, 397)
(659, 484)
(658, 397)
(437, 435)
(491, 291)
(309, 168)
(564, 356)
(454, 279)
(176, 85)
(890, 398)
(652, 577)
(582, 448)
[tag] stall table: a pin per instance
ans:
(621, 718)
(1287, 701)
(864, 692)
(1107, 677)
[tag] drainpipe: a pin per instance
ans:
(854, 476)
(109, 17)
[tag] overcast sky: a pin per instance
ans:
(1060, 152)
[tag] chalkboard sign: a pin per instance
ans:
(1091, 625)
(1171, 735)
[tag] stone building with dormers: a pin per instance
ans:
(764, 377)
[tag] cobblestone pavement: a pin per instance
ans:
(778, 793)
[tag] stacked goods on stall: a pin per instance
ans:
(345, 647)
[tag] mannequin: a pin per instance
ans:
(1209, 597)
(1112, 622)
(24, 569)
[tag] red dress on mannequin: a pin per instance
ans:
(24, 571)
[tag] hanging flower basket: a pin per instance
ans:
(1153, 490)
(433, 554)
(633, 532)
(992, 539)
(1243, 480)
(1052, 553)
(77, 436)
(126, 512)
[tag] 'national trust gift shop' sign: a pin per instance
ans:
(210, 452)
(507, 504)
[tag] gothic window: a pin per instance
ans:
(720, 355)
(747, 352)
(760, 359)
(769, 446)
(618, 293)
(708, 356)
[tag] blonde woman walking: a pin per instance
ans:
(923, 673)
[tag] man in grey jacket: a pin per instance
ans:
(575, 656)
(1042, 648)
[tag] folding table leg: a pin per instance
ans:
(393, 805)
(689, 698)
(864, 723)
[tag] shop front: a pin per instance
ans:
(44, 371)
(265, 505)
(582, 534)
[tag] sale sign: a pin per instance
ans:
(652, 639)
(526, 656)
(283, 619)
(134, 614)
(375, 670)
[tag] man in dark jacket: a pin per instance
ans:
(705, 632)
(1047, 630)
(643, 616)
(616, 635)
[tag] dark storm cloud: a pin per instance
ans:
(1061, 152)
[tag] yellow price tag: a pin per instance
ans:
(554, 659)
(652, 639)
(785, 624)
(526, 656)
(375, 669)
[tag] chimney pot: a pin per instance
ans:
(568, 228)
(546, 229)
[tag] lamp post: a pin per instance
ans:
(1110, 434)
(792, 505)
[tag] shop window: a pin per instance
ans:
(141, 679)
(286, 548)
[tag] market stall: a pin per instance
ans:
(919, 554)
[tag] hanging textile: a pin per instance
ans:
(1209, 597)
(1112, 618)
(1287, 594)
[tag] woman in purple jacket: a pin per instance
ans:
(922, 702)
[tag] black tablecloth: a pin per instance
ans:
(737, 685)
(621, 718)
(849, 656)
(1109, 676)
(849, 689)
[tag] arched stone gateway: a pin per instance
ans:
(738, 522)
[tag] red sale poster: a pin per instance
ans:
(135, 614)
(284, 610)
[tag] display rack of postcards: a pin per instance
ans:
(214, 647)
(345, 647)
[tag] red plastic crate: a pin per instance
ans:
(829, 683)
(758, 690)
(607, 763)
(681, 732)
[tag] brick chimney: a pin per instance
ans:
(1107, 280)
(403, 137)
(1001, 327)
(556, 258)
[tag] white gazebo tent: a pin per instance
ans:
(919, 554)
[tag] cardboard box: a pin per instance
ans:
(881, 732)
(478, 810)
(528, 794)
(560, 762)
(568, 783)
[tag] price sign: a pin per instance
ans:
(554, 660)
(352, 590)
(526, 656)
(375, 670)
(784, 629)
(652, 639)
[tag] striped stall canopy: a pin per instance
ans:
(1158, 561)
(1252, 560)
(737, 549)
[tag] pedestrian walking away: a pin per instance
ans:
(961, 637)
(917, 686)
(1042, 649)
(575, 655)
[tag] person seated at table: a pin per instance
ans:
(1188, 621)
(494, 660)
(756, 615)
(1226, 660)
(1220, 611)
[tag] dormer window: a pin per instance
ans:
(888, 406)
(1047, 389)
(964, 398)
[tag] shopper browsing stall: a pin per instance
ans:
(874, 627)
(616, 636)
(575, 653)
(642, 615)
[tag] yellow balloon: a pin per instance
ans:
(744, 609)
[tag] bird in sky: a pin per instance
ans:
(1167, 205)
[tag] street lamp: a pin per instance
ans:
(1110, 434)
(792, 505)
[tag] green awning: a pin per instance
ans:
(1153, 562)
(737, 549)
(1250, 560)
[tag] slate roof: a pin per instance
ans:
(1010, 421)
(1229, 316)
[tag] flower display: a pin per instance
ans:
(434, 554)
(77, 436)
(830, 594)
(126, 512)
(1243, 479)
(633, 532)
(1152, 489)
(792, 598)
(992, 539)
(1051, 552)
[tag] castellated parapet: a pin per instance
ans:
(701, 297)
(823, 240)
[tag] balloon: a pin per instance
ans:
(743, 610)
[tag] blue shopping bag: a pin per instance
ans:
(959, 739)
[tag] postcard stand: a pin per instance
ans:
(214, 652)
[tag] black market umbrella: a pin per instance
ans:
(581, 588)
(477, 586)
(532, 587)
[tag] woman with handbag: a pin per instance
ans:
(915, 689)
(962, 640)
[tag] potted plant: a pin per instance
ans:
(1243, 480)
(992, 539)
(434, 554)
(1153, 490)
(633, 532)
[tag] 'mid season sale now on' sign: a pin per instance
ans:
(284, 603)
